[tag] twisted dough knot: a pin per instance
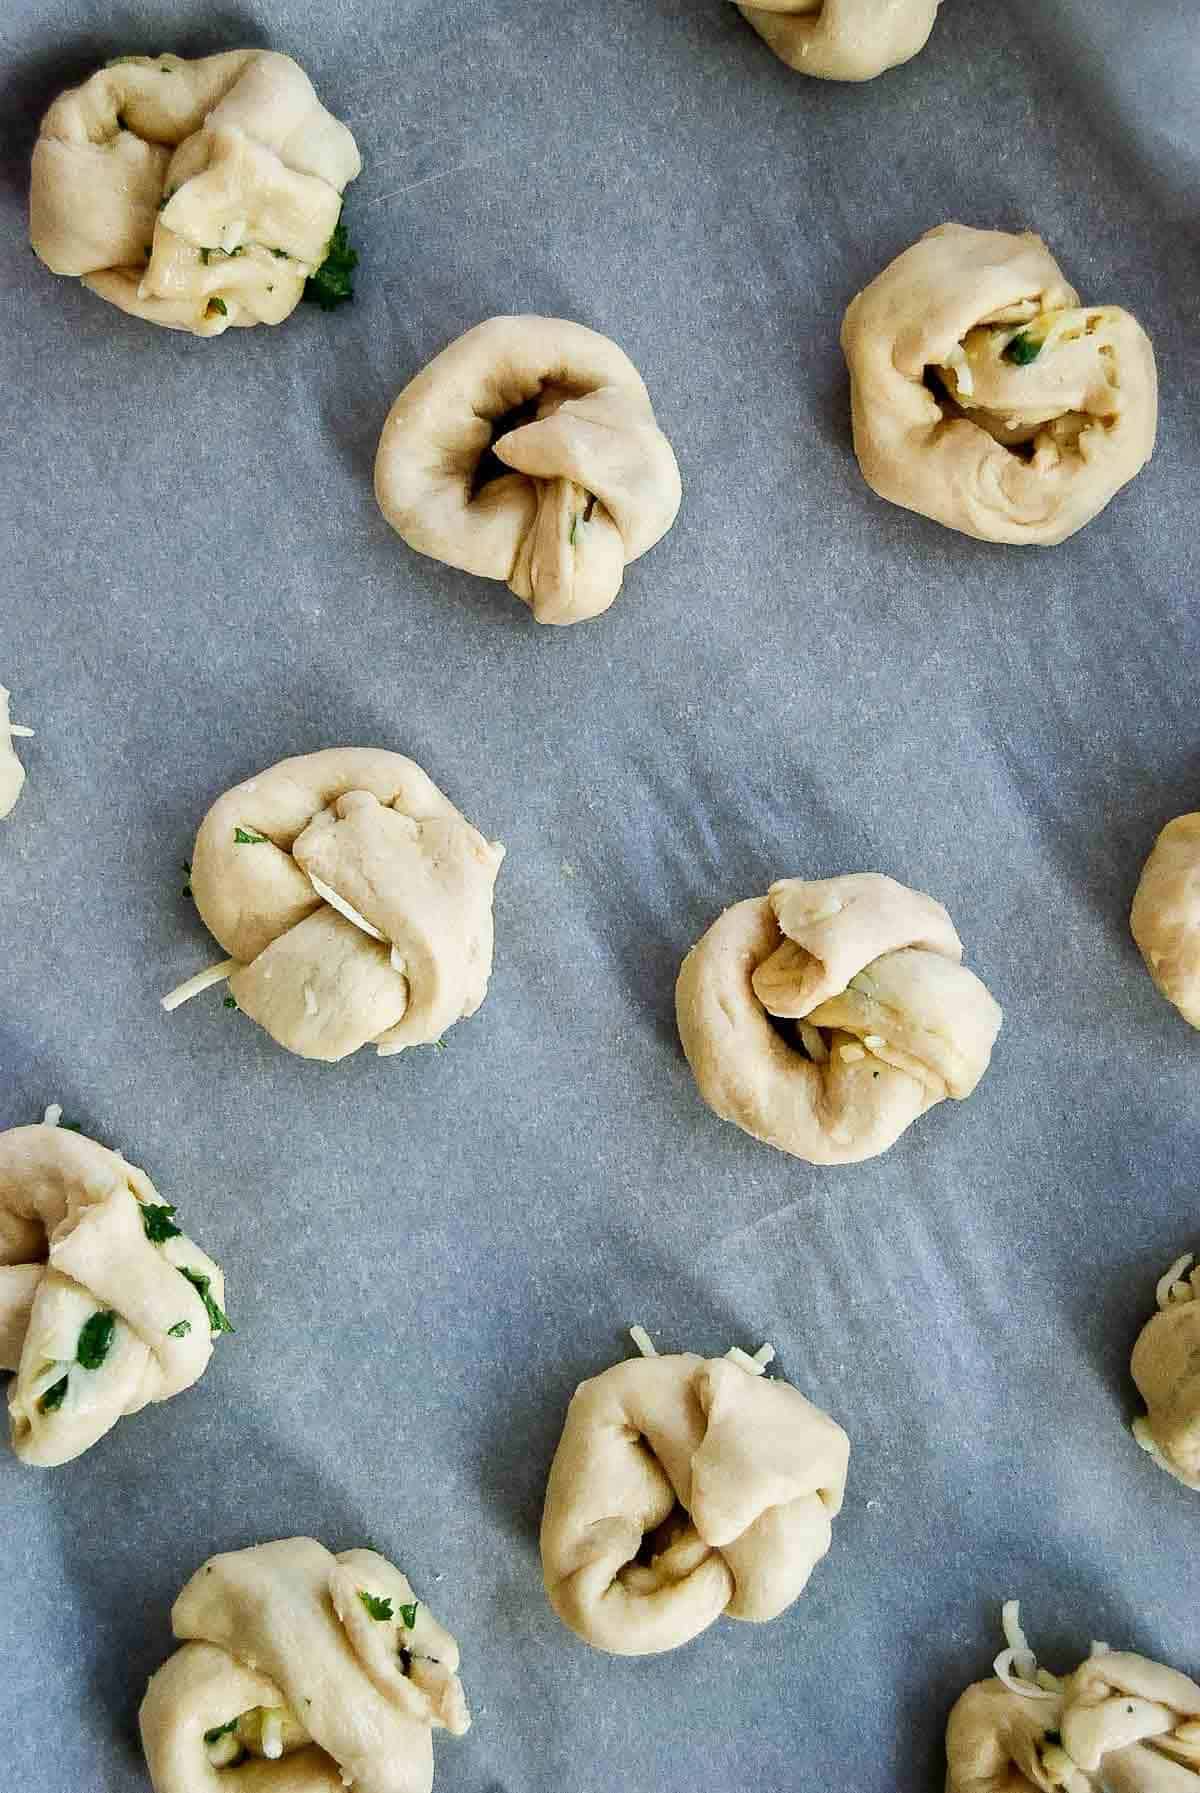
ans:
(1165, 918)
(105, 1305)
(843, 40)
(888, 1021)
(327, 1666)
(985, 396)
(353, 898)
(1166, 1368)
(1120, 1723)
(594, 481)
(684, 1488)
(197, 195)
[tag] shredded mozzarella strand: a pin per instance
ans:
(643, 1341)
(53, 1115)
(203, 980)
(1164, 1293)
(390, 1048)
(964, 378)
(272, 1734)
(343, 907)
(1015, 1638)
(1003, 1669)
(17, 728)
(755, 1365)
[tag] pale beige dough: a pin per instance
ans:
(1003, 451)
(12, 772)
(73, 1246)
(370, 828)
(195, 194)
(888, 1021)
(1166, 1368)
(1119, 1724)
(684, 1488)
(594, 482)
(1165, 919)
(843, 40)
(325, 1695)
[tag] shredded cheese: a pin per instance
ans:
(964, 379)
(17, 728)
(643, 1341)
(272, 1733)
(343, 907)
(390, 1048)
(1015, 1638)
(53, 1115)
(203, 980)
(1003, 1669)
(1170, 1285)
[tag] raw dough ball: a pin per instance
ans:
(1119, 1724)
(594, 482)
(12, 772)
(354, 900)
(1166, 1368)
(888, 1021)
(121, 1311)
(328, 1666)
(197, 195)
(1165, 919)
(985, 396)
(843, 40)
(684, 1488)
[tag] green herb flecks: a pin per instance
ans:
(216, 308)
(1023, 349)
(158, 1222)
(408, 1615)
(280, 254)
(249, 837)
(219, 1731)
(439, 1045)
(229, 1002)
(574, 529)
(218, 1321)
(333, 283)
(204, 255)
(95, 1340)
(378, 1606)
(54, 1396)
(180, 1329)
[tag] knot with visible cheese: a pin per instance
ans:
(593, 481)
(105, 1305)
(986, 397)
(881, 1019)
(198, 195)
(1165, 918)
(843, 40)
(314, 1671)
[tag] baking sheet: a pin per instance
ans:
(426, 1253)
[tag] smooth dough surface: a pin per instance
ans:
(888, 1021)
(1166, 1368)
(12, 772)
(301, 1672)
(594, 482)
(198, 195)
(986, 397)
(843, 40)
(370, 828)
(684, 1488)
(75, 1254)
(1165, 918)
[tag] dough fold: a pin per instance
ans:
(301, 1672)
(684, 1488)
(1166, 1368)
(1165, 918)
(986, 397)
(888, 1021)
(198, 195)
(96, 1318)
(843, 40)
(281, 857)
(593, 481)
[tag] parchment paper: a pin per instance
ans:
(426, 1253)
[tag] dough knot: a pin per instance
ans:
(843, 40)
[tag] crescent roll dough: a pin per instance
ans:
(1119, 1724)
(684, 1488)
(105, 1305)
(197, 195)
(302, 1672)
(843, 40)
(1165, 919)
(593, 485)
(986, 396)
(1166, 1368)
(887, 1021)
(354, 900)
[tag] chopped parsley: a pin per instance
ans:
(280, 254)
(219, 1731)
(71, 1126)
(216, 308)
(54, 1397)
(218, 1321)
(574, 529)
(95, 1340)
(180, 1329)
(248, 837)
(377, 1605)
(408, 1615)
(333, 283)
(230, 1002)
(158, 1222)
(204, 255)
(1023, 349)
(439, 1045)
